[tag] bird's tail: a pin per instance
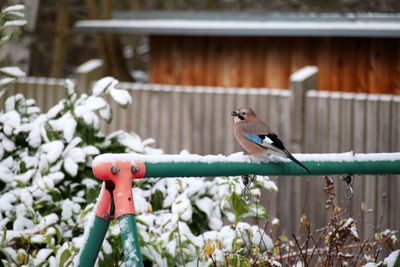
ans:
(290, 156)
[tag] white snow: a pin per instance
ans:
(13, 8)
(182, 207)
(240, 157)
(42, 256)
(6, 143)
(237, 157)
(4, 81)
(55, 110)
(89, 66)
(103, 84)
(15, 23)
(52, 150)
(70, 166)
(128, 247)
(349, 156)
(390, 260)
(271, 27)
(65, 124)
(275, 221)
(11, 120)
(122, 97)
(13, 71)
(205, 205)
(304, 73)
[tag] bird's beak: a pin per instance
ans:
(234, 114)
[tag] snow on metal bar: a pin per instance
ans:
(238, 164)
(241, 157)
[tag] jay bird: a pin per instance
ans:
(256, 137)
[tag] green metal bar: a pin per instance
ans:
(239, 164)
(90, 251)
(199, 169)
(130, 240)
(281, 168)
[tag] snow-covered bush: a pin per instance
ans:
(12, 18)
(47, 190)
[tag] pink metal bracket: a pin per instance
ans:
(117, 187)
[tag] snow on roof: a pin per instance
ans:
(248, 24)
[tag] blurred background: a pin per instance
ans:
(189, 63)
(54, 48)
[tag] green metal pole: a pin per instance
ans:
(201, 169)
(91, 247)
(130, 241)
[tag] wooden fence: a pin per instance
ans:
(307, 120)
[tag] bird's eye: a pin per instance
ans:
(243, 113)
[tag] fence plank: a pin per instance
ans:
(370, 181)
(333, 124)
(309, 143)
(176, 100)
(196, 121)
(230, 104)
(186, 127)
(220, 117)
(382, 206)
(345, 142)
(394, 196)
(311, 209)
(359, 146)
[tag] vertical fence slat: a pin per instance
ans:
(370, 181)
(230, 105)
(322, 122)
(311, 122)
(176, 146)
(382, 205)
(196, 121)
(220, 116)
(208, 127)
(186, 127)
(359, 146)
(309, 145)
(395, 179)
(345, 141)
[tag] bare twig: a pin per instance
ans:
(304, 256)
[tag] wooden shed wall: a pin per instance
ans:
(346, 64)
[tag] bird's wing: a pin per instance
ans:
(259, 133)
(270, 141)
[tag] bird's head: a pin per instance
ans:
(243, 113)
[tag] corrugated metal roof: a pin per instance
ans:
(247, 24)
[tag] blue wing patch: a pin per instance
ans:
(265, 140)
(254, 138)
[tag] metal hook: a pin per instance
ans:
(247, 180)
(246, 194)
(348, 179)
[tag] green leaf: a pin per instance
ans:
(91, 194)
(58, 234)
(239, 206)
(4, 256)
(237, 260)
(157, 200)
(199, 223)
(56, 194)
(66, 254)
